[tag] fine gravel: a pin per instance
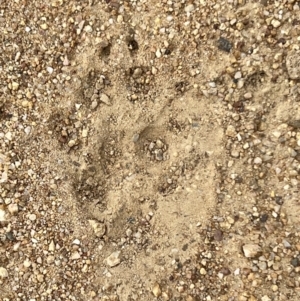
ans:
(150, 150)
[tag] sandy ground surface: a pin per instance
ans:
(150, 150)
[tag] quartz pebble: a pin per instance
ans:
(2, 215)
(75, 256)
(32, 217)
(266, 298)
(113, 259)
(189, 8)
(251, 250)
(76, 242)
(238, 75)
(248, 95)
(105, 99)
(13, 208)
(257, 160)
(51, 247)
(99, 228)
(3, 273)
(275, 23)
(156, 290)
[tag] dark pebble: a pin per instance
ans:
(238, 180)
(295, 262)
(168, 51)
(10, 236)
(279, 200)
(295, 124)
(264, 218)
(225, 271)
(224, 44)
(185, 247)
(133, 45)
(218, 235)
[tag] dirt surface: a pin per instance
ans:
(150, 150)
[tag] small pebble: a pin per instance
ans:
(189, 8)
(251, 250)
(3, 273)
(50, 70)
(75, 256)
(135, 137)
(99, 228)
(44, 26)
(248, 95)
(156, 290)
(265, 298)
(224, 44)
(94, 105)
(295, 262)
(13, 208)
(158, 53)
(40, 278)
(14, 86)
(105, 99)
(238, 75)
(51, 247)
(235, 154)
(84, 133)
(71, 143)
(27, 263)
(113, 259)
(257, 161)
(275, 23)
(32, 217)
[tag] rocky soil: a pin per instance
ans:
(150, 150)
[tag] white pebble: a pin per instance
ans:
(251, 250)
(51, 246)
(88, 29)
(238, 75)
(275, 23)
(27, 130)
(32, 217)
(156, 290)
(257, 160)
(75, 256)
(3, 273)
(71, 143)
(50, 70)
(248, 95)
(158, 53)
(13, 208)
(76, 242)
(2, 216)
(27, 263)
(8, 136)
(189, 8)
